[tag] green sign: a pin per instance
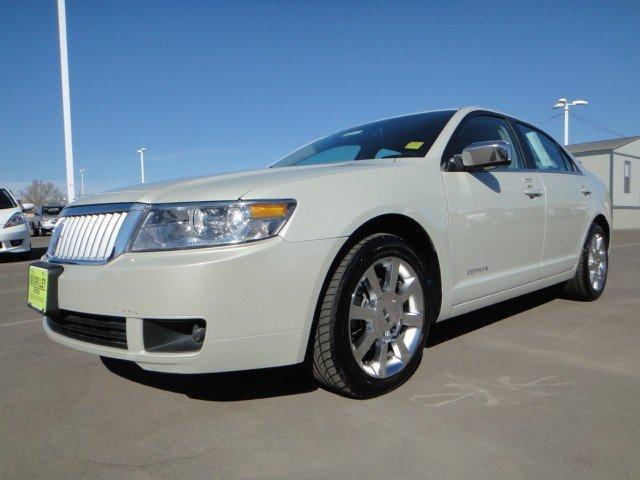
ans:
(38, 282)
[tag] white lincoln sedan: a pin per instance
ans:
(340, 255)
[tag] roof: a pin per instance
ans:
(601, 145)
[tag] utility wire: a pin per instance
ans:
(596, 125)
(547, 119)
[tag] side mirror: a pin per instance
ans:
(480, 155)
(27, 206)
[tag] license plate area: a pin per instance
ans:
(42, 295)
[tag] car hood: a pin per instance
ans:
(6, 214)
(231, 186)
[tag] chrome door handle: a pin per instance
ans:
(533, 192)
(585, 190)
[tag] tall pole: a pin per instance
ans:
(565, 104)
(66, 102)
(82, 170)
(566, 124)
(141, 153)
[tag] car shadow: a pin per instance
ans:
(220, 387)
(35, 254)
(463, 324)
(291, 380)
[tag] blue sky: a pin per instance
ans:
(213, 87)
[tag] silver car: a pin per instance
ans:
(46, 219)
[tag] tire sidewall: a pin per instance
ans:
(375, 249)
(594, 294)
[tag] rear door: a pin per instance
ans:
(568, 200)
(496, 222)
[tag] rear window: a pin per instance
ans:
(6, 201)
(51, 210)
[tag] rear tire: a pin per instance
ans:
(591, 275)
(369, 339)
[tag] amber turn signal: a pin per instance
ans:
(268, 210)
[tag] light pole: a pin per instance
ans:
(564, 104)
(141, 151)
(66, 102)
(82, 170)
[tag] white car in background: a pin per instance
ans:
(340, 255)
(15, 231)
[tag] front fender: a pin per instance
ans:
(336, 205)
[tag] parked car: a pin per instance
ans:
(341, 255)
(15, 233)
(31, 215)
(46, 219)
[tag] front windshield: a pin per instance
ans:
(51, 210)
(407, 136)
(5, 200)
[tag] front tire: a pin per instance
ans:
(374, 318)
(591, 275)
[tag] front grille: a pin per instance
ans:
(98, 329)
(87, 237)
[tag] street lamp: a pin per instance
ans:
(66, 102)
(141, 151)
(564, 104)
(82, 170)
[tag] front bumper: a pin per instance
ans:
(19, 235)
(257, 299)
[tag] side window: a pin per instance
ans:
(627, 176)
(483, 129)
(570, 163)
(546, 154)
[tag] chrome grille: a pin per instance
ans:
(88, 238)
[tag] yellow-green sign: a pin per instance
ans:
(38, 280)
(413, 145)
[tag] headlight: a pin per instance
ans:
(15, 220)
(176, 226)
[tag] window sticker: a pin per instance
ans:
(538, 148)
(413, 145)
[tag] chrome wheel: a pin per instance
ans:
(386, 317)
(597, 262)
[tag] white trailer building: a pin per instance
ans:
(617, 163)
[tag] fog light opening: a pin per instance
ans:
(198, 333)
(168, 335)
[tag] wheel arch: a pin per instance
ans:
(407, 228)
(602, 221)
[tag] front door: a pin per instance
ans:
(496, 217)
